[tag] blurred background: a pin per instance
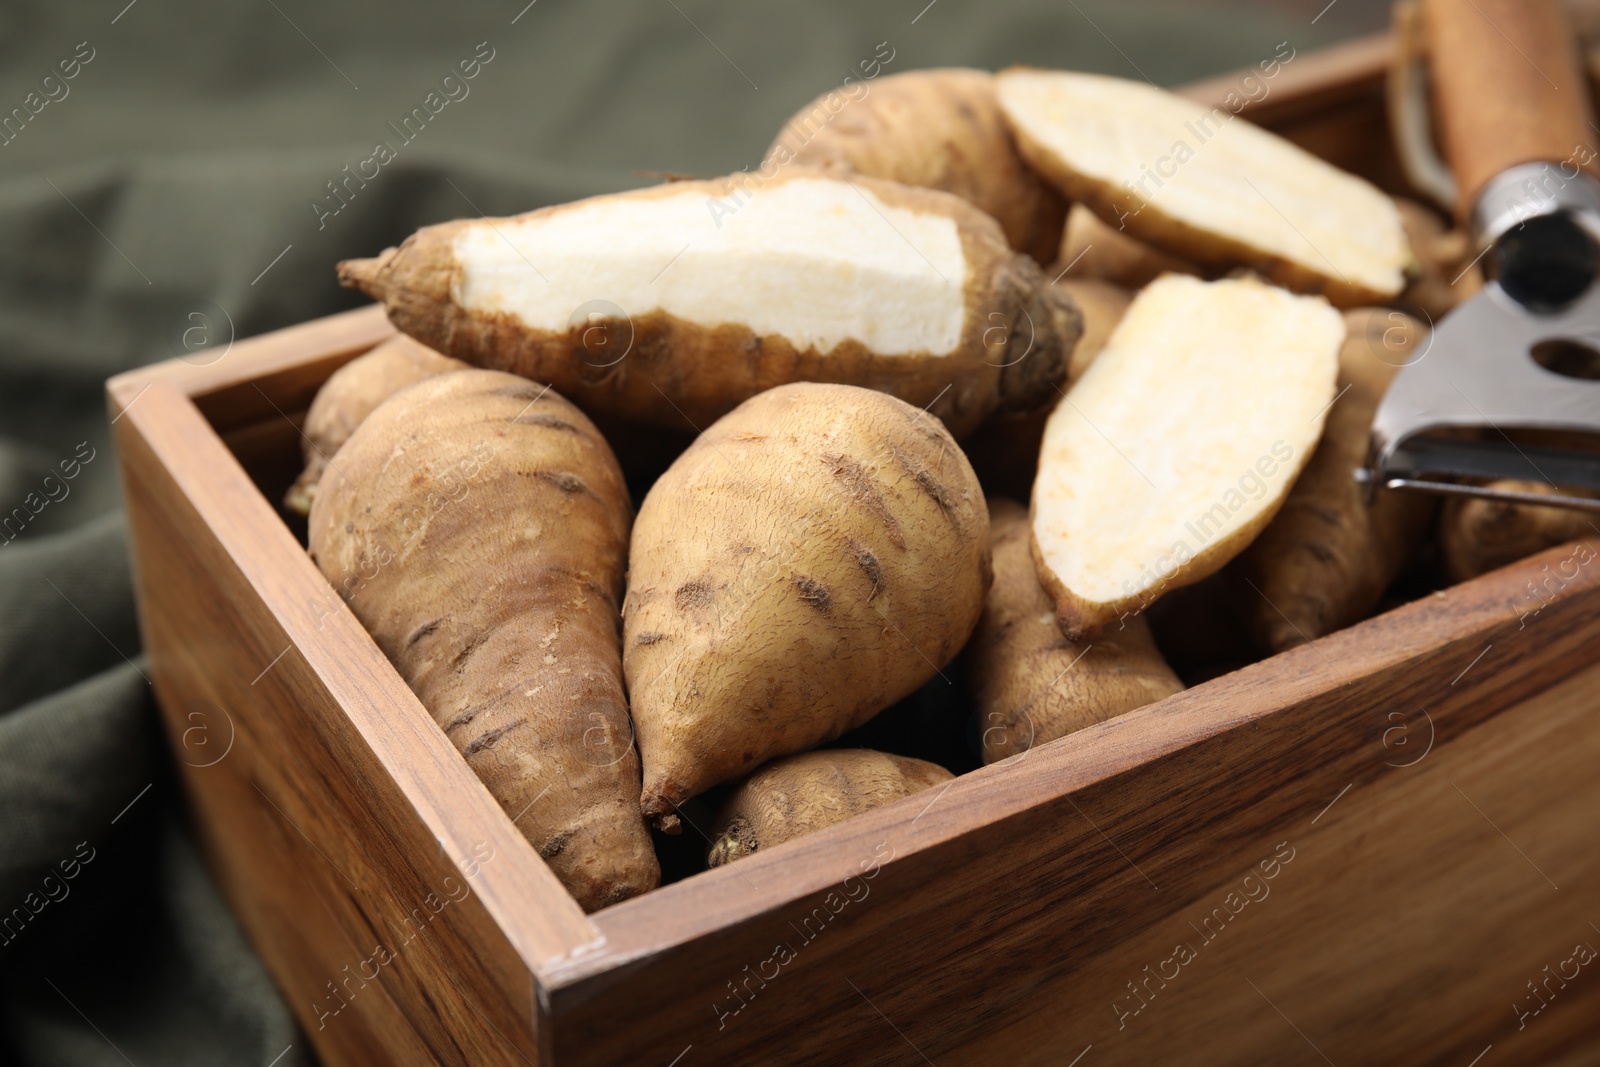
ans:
(173, 196)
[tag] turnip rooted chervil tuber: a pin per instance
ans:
(1327, 557)
(940, 129)
(816, 555)
(1028, 683)
(478, 528)
(674, 304)
(349, 396)
(798, 795)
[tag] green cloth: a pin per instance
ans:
(173, 176)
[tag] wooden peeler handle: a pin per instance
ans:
(1508, 89)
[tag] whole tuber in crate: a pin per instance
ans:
(1377, 849)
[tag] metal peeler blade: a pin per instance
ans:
(1460, 414)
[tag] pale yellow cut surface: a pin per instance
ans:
(1204, 183)
(816, 261)
(1179, 442)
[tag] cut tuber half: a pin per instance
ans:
(1179, 443)
(1206, 185)
(673, 305)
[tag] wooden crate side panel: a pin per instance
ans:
(1018, 873)
(341, 830)
(1407, 927)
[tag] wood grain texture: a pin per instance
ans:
(1508, 87)
(1366, 941)
(1002, 916)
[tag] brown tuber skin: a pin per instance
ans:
(1325, 560)
(1444, 274)
(802, 794)
(1478, 536)
(815, 556)
(938, 129)
(480, 534)
(349, 396)
(1029, 683)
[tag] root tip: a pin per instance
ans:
(365, 274)
(660, 810)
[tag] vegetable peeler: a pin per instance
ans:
(1509, 386)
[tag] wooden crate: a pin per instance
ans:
(1368, 850)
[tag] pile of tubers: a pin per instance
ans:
(961, 289)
